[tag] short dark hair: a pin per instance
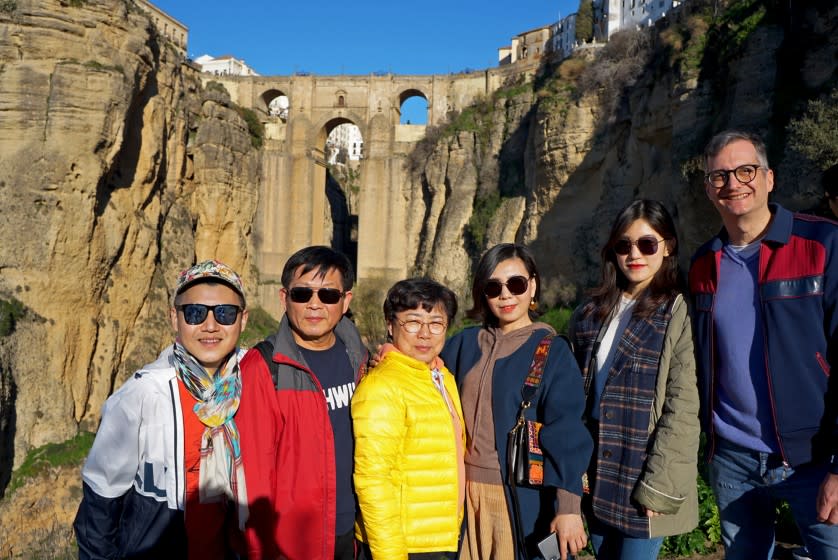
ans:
(480, 310)
(321, 258)
(415, 292)
(664, 285)
(829, 181)
(718, 142)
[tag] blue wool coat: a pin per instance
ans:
(558, 404)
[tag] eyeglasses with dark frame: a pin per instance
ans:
(196, 313)
(719, 178)
(516, 285)
(647, 245)
(302, 294)
(413, 326)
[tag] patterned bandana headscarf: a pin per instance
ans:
(221, 471)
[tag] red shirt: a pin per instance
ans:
(210, 528)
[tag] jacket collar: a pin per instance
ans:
(284, 343)
(779, 230)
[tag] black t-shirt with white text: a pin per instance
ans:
(336, 376)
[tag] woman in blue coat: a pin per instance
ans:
(491, 364)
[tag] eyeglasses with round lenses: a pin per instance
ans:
(516, 285)
(413, 326)
(196, 313)
(744, 174)
(329, 296)
(647, 245)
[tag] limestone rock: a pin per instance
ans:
(116, 172)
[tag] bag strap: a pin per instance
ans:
(528, 390)
(533, 379)
(267, 350)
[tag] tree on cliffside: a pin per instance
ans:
(585, 21)
(814, 134)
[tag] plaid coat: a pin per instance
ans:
(647, 443)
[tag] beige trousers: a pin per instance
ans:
(489, 532)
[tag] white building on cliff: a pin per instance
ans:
(615, 15)
(610, 16)
(226, 65)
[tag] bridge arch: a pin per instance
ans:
(326, 125)
(340, 180)
(272, 96)
(412, 92)
(409, 97)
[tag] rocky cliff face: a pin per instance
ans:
(625, 122)
(116, 171)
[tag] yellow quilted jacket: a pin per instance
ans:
(406, 464)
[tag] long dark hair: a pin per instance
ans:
(480, 310)
(664, 285)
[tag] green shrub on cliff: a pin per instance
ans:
(10, 312)
(485, 208)
(814, 134)
(254, 126)
(218, 87)
(68, 453)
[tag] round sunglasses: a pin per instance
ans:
(516, 285)
(329, 296)
(647, 245)
(196, 313)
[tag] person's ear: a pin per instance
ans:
(668, 247)
(347, 299)
(173, 318)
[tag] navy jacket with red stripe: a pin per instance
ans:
(798, 294)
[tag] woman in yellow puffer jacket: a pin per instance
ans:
(409, 437)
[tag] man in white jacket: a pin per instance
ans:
(168, 442)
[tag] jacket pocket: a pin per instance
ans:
(822, 361)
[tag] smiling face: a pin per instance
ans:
(511, 310)
(313, 322)
(210, 342)
(423, 345)
(640, 269)
(741, 205)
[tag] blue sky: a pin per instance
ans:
(328, 37)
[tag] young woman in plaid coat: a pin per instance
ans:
(633, 342)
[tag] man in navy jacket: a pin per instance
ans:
(765, 291)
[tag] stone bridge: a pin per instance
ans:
(294, 209)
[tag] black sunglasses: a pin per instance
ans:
(196, 313)
(647, 245)
(329, 296)
(516, 285)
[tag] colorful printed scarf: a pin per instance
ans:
(221, 470)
